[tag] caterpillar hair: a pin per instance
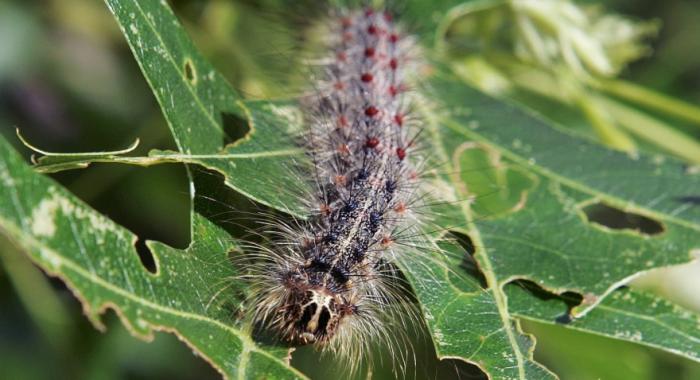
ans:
(330, 282)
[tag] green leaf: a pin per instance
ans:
(548, 239)
(193, 96)
(545, 236)
(467, 321)
(626, 314)
(202, 110)
(532, 183)
(97, 260)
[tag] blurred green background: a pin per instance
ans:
(68, 80)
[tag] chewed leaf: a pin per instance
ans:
(50, 162)
(540, 181)
(470, 322)
(498, 188)
(626, 314)
(255, 165)
(193, 96)
(550, 240)
(97, 260)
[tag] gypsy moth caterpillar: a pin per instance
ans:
(331, 282)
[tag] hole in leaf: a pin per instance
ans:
(146, 256)
(519, 297)
(468, 263)
(466, 242)
(498, 188)
(190, 72)
(235, 127)
(459, 369)
(617, 219)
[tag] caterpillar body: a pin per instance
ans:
(332, 283)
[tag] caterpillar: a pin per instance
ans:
(331, 283)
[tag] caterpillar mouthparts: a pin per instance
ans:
(331, 283)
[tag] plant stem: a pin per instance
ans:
(652, 99)
(604, 124)
(654, 130)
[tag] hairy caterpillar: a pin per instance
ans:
(331, 282)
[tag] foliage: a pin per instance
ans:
(538, 189)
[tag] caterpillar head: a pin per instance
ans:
(306, 302)
(312, 313)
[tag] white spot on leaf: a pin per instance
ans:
(43, 215)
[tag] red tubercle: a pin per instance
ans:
(398, 119)
(324, 209)
(342, 121)
(371, 111)
(372, 29)
(372, 142)
(340, 180)
(387, 240)
(346, 22)
(366, 77)
(393, 38)
(344, 149)
(401, 153)
(347, 37)
(307, 242)
(395, 90)
(392, 91)
(400, 208)
(388, 16)
(369, 52)
(341, 56)
(339, 86)
(369, 12)
(393, 63)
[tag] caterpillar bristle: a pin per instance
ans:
(331, 281)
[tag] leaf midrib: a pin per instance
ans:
(499, 297)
